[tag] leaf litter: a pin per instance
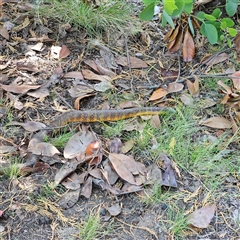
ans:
(85, 165)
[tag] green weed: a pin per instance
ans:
(12, 171)
(92, 228)
(61, 139)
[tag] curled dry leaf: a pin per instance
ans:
(193, 87)
(94, 149)
(177, 42)
(169, 74)
(77, 101)
(202, 217)
(89, 75)
(157, 94)
(188, 47)
(64, 52)
(173, 37)
(217, 122)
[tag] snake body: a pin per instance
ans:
(103, 115)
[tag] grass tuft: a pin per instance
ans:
(108, 15)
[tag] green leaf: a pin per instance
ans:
(229, 42)
(229, 22)
(191, 26)
(200, 15)
(221, 37)
(223, 25)
(217, 13)
(148, 2)
(209, 17)
(167, 18)
(179, 10)
(188, 8)
(232, 32)
(210, 32)
(148, 12)
(231, 7)
(169, 6)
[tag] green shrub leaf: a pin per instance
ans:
(229, 22)
(217, 13)
(148, 2)
(232, 32)
(231, 7)
(148, 12)
(169, 6)
(191, 26)
(210, 32)
(200, 15)
(166, 18)
(209, 17)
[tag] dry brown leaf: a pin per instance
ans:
(74, 74)
(64, 52)
(219, 58)
(21, 89)
(114, 210)
(187, 99)
(94, 149)
(89, 75)
(30, 126)
(77, 101)
(202, 217)
(134, 62)
(69, 199)
(193, 87)
(236, 80)
(177, 42)
(87, 188)
(157, 94)
(4, 33)
(91, 63)
(168, 35)
(175, 87)
(103, 68)
(7, 149)
(43, 149)
(217, 122)
(82, 89)
(27, 67)
(121, 169)
(68, 168)
(173, 37)
(115, 145)
(188, 47)
(77, 144)
(42, 92)
(237, 42)
(103, 86)
(72, 182)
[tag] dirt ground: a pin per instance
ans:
(30, 209)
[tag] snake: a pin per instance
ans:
(104, 115)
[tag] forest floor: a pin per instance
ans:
(187, 157)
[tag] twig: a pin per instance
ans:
(140, 227)
(129, 63)
(63, 100)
